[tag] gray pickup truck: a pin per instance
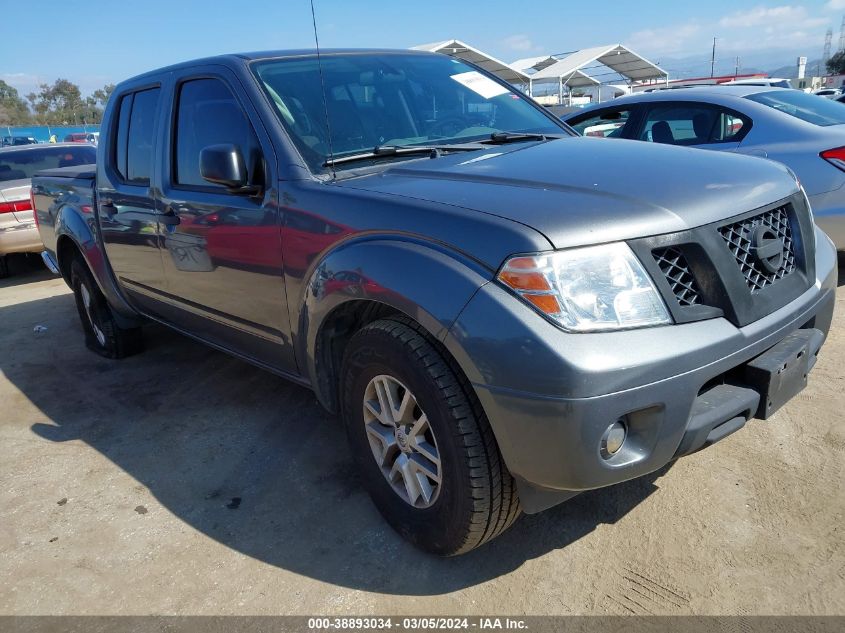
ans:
(502, 313)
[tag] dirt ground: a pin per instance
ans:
(183, 481)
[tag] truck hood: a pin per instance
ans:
(580, 191)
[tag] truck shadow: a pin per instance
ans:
(251, 460)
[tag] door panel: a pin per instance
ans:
(126, 205)
(223, 259)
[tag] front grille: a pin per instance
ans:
(674, 266)
(738, 237)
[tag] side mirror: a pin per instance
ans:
(224, 165)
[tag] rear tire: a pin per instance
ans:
(460, 494)
(102, 333)
(4, 266)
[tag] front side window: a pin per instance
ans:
(391, 99)
(692, 124)
(209, 114)
(810, 108)
(606, 124)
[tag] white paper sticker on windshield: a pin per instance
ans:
(480, 84)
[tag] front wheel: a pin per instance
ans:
(102, 333)
(425, 450)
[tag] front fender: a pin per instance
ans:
(425, 282)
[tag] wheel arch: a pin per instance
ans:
(73, 242)
(370, 280)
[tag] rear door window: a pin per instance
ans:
(693, 124)
(139, 154)
(605, 124)
(133, 147)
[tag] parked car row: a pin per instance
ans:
(17, 140)
(803, 131)
(74, 137)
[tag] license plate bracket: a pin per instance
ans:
(780, 373)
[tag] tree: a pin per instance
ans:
(836, 64)
(102, 95)
(59, 104)
(13, 109)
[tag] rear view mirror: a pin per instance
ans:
(223, 165)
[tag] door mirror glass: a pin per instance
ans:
(223, 165)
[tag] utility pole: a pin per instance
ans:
(713, 58)
(736, 69)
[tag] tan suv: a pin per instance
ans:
(18, 232)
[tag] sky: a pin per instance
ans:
(96, 42)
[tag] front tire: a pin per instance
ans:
(424, 448)
(102, 333)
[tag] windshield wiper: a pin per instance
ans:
(500, 138)
(382, 151)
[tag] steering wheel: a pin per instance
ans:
(447, 127)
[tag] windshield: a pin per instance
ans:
(391, 99)
(22, 164)
(811, 108)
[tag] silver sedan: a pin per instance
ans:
(18, 232)
(803, 131)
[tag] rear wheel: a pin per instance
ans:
(102, 333)
(4, 266)
(423, 446)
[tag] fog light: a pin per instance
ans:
(613, 439)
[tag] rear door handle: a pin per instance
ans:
(107, 207)
(169, 217)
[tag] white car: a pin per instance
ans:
(828, 93)
(772, 82)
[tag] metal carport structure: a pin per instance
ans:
(531, 66)
(462, 50)
(613, 59)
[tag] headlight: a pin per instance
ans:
(588, 289)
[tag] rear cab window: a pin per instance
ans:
(810, 108)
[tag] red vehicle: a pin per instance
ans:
(82, 137)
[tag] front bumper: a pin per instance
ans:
(550, 395)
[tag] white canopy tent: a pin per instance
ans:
(531, 65)
(616, 59)
(462, 50)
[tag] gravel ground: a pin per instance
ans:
(183, 481)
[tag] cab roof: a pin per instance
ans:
(239, 59)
